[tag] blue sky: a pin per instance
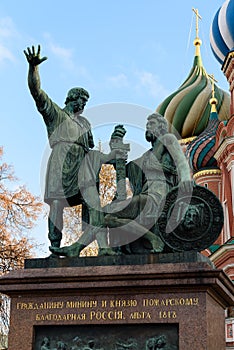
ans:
(125, 53)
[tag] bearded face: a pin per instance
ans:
(149, 136)
(191, 219)
(79, 104)
(154, 129)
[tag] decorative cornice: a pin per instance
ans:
(220, 252)
(207, 172)
(229, 266)
(226, 142)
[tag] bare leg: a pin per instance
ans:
(70, 251)
(89, 235)
(55, 223)
(140, 231)
(95, 230)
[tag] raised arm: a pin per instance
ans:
(34, 60)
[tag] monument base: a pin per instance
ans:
(172, 305)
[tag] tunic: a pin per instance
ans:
(70, 139)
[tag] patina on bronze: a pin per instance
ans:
(103, 337)
(190, 222)
(151, 176)
(191, 218)
(70, 138)
(73, 166)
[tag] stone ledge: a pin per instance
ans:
(178, 257)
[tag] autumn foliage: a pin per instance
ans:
(19, 210)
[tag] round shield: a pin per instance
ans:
(190, 221)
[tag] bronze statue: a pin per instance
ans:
(71, 174)
(158, 178)
(151, 176)
(70, 138)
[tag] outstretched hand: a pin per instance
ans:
(33, 57)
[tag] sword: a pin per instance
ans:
(116, 143)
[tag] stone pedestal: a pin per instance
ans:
(119, 306)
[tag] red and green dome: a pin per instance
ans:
(187, 109)
(200, 152)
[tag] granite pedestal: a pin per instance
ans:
(178, 298)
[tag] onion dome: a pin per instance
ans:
(187, 109)
(222, 31)
(200, 152)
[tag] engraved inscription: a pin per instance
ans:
(108, 310)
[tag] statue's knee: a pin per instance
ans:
(107, 219)
(111, 221)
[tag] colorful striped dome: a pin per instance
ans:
(187, 109)
(222, 31)
(200, 152)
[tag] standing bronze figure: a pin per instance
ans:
(70, 139)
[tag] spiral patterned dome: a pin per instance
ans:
(222, 31)
(187, 109)
(200, 152)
